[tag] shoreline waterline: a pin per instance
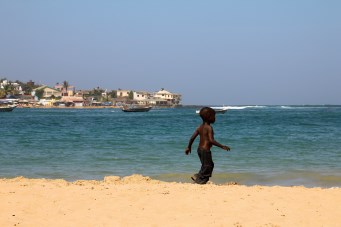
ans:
(140, 179)
(218, 180)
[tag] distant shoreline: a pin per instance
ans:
(80, 107)
(166, 107)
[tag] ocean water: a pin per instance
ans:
(270, 145)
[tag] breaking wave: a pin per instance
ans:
(242, 107)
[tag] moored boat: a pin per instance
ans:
(7, 108)
(136, 108)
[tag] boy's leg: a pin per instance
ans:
(197, 175)
(207, 166)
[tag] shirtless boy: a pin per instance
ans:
(207, 140)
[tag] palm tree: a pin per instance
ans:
(65, 87)
(9, 89)
(131, 95)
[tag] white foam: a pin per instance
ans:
(242, 107)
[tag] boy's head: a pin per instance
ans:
(207, 114)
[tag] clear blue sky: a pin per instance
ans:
(212, 52)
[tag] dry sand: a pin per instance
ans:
(140, 201)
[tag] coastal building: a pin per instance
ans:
(120, 101)
(171, 98)
(159, 98)
(141, 95)
(26, 100)
(30, 83)
(14, 86)
(48, 92)
(158, 102)
(65, 89)
(105, 93)
(73, 101)
(123, 93)
(57, 95)
(46, 102)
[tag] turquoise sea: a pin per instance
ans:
(270, 145)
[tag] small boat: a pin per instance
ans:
(220, 109)
(7, 108)
(136, 108)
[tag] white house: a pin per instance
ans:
(163, 94)
(160, 98)
(46, 102)
(158, 102)
(141, 95)
(123, 93)
(16, 86)
(172, 98)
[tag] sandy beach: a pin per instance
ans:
(140, 201)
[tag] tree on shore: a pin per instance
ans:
(27, 88)
(65, 87)
(131, 95)
(9, 89)
(96, 93)
(2, 93)
(113, 94)
(39, 93)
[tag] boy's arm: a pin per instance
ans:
(214, 142)
(191, 140)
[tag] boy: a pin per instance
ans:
(206, 133)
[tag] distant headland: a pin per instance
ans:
(30, 94)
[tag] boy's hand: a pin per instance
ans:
(226, 148)
(187, 151)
